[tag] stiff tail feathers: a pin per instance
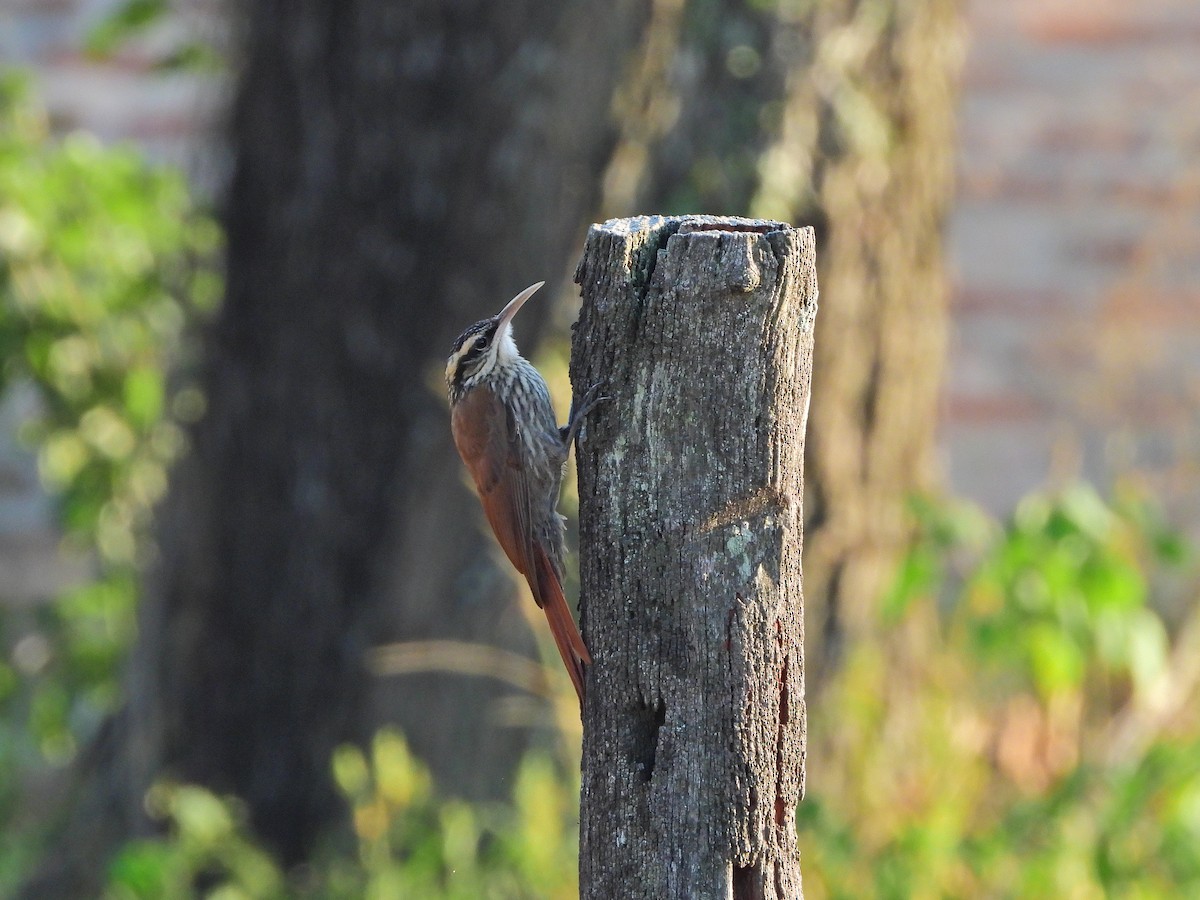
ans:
(549, 594)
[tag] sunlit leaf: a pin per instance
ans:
(143, 396)
(142, 869)
(1148, 647)
(350, 771)
(127, 19)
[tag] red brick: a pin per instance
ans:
(1109, 32)
(981, 409)
(969, 299)
(1152, 306)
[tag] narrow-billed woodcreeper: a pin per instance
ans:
(506, 433)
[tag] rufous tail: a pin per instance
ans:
(566, 636)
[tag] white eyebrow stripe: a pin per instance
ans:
(455, 358)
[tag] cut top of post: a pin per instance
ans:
(722, 253)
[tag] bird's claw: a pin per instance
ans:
(590, 401)
(580, 410)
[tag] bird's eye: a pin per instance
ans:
(481, 342)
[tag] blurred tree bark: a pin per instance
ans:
(400, 170)
(323, 510)
(882, 180)
(839, 114)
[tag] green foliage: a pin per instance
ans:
(130, 20)
(944, 762)
(1068, 589)
(208, 842)
(1021, 727)
(412, 845)
(98, 279)
(104, 261)
(408, 843)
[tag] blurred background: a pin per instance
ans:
(253, 638)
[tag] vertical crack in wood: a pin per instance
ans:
(649, 720)
(781, 734)
(748, 882)
(642, 273)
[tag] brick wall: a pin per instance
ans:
(124, 97)
(1075, 244)
(1075, 248)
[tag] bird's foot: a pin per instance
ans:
(579, 411)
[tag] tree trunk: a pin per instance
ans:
(839, 113)
(690, 485)
(866, 147)
(323, 510)
(401, 169)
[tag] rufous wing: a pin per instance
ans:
(486, 438)
(487, 442)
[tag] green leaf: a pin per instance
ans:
(917, 577)
(127, 20)
(144, 393)
(1056, 662)
(1148, 648)
(350, 771)
(143, 869)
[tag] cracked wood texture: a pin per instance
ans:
(690, 492)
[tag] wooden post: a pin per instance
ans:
(690, 485)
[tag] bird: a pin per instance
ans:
(506, 432)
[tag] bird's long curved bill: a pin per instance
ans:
(506, 314)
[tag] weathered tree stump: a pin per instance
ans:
(690, 486)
